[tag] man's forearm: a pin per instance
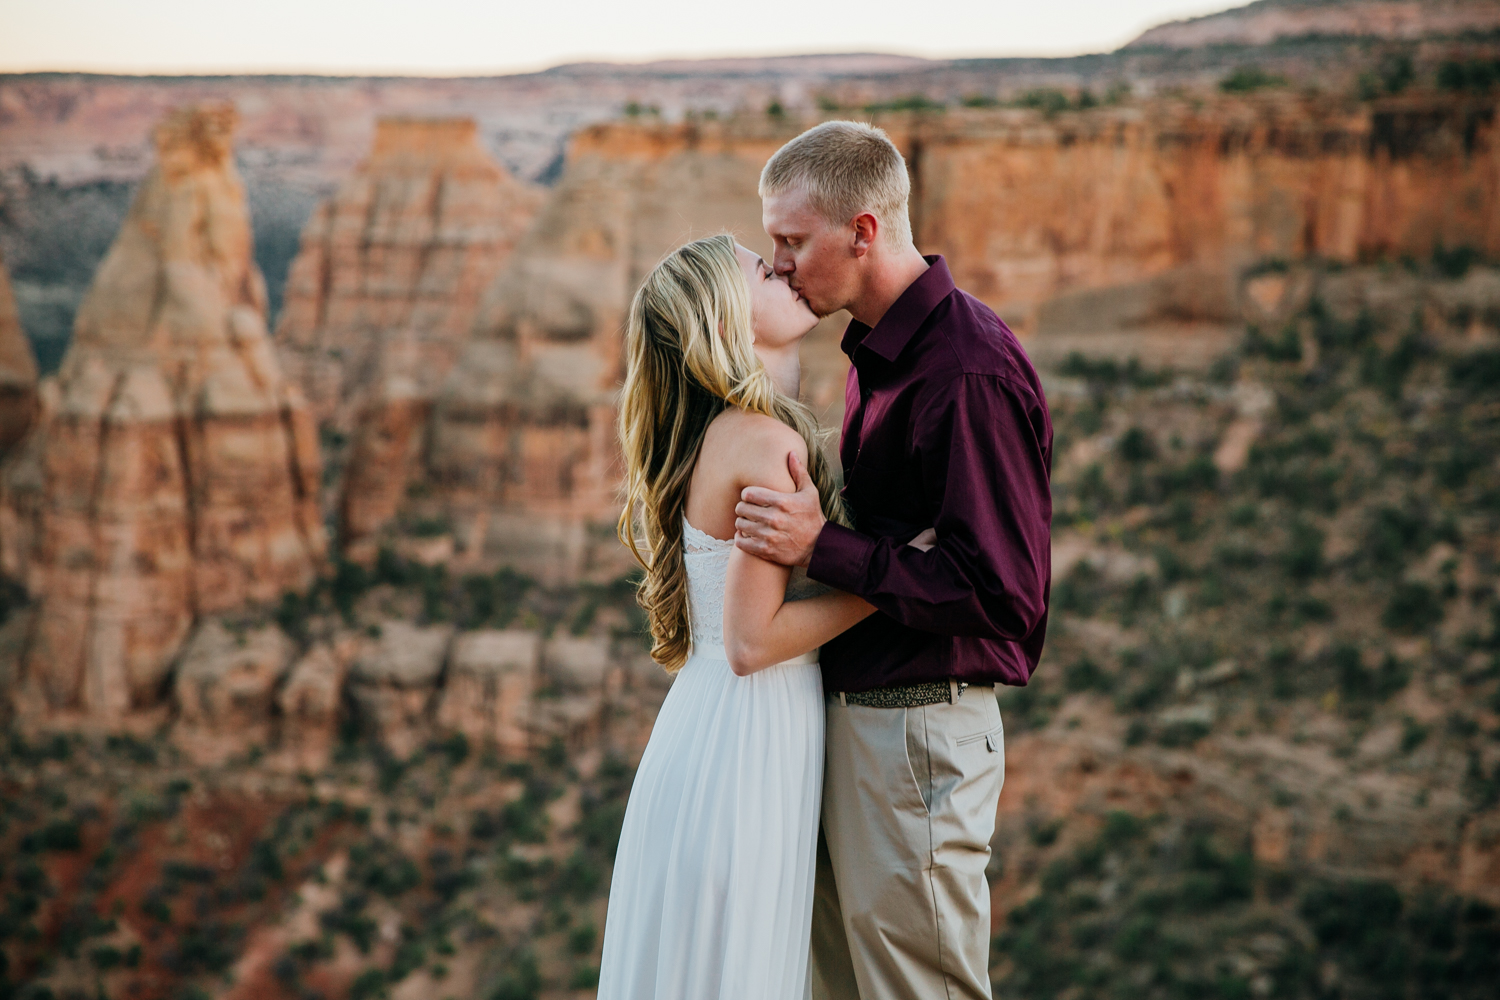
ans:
(947, 590)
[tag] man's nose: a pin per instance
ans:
(782, 263)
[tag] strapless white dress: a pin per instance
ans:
(712, 892)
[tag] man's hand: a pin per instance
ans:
(780, 527)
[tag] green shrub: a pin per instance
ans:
(1182, 734)
(1137, 446)
(1303, 557)
(911, 102)
(1413, 608)
(521, 981)
(1044, 99)
(1413, 734)
(205, 947)
(582, 939)
(1245, 79)
(1478, 75)
(580, 878)
(1454, 263)
(379, 866)
(1361, 921)
(1476, 372)
(585, 977)
(368, 985)
(1287, 347)
(409, 957)
(1084, 674)
(349, 918)
(1120, 828)
(60, 835)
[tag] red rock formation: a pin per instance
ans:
(521, 454)
(1132, 225)
(384, 290)
(403, 251)
(173, 472)
(17, 371)
(1121, 219)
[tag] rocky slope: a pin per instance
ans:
(17, 371)
(400, 255)
(173, 472)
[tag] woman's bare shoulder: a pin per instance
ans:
(752, 448)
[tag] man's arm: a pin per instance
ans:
(984, 465)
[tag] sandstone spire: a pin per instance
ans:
(384, 291)
(173, 471)
(17, 371)
(404, 249)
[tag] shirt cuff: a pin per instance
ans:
(841, 558)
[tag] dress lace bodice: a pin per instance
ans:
(707, 561)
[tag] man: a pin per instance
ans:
(945, 426)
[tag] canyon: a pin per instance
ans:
(320, 667)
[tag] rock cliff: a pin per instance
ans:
(173, 472)
(17, 371)
(402, 252)
(1123, 230)
(1144, 219)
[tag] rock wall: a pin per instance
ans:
(173, 472)
(1146, 217)
(17, 371)
(402, 252)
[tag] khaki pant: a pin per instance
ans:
(901, 908)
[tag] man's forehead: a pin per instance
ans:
(790, 209)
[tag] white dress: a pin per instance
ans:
(713, 885)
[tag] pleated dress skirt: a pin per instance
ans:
(712, 892)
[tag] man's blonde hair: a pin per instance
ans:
(846, 168)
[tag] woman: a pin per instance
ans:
(713, 883)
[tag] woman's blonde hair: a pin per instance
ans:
(688, 357)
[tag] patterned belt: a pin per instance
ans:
(904, 695)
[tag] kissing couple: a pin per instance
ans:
(813, 812)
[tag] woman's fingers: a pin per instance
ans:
(926, 540)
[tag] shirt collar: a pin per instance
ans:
(889, 337)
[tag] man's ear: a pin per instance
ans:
(866, 232)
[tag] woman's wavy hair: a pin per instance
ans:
(689, 357)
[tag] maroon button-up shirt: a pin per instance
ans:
(945, 426)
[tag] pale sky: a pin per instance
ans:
(450, 37)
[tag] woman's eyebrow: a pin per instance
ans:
(761, 261)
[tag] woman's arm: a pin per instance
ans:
(762, 628)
